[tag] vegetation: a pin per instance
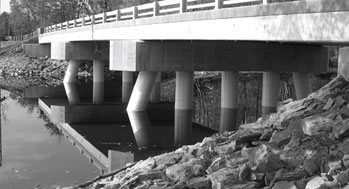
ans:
(27, 15)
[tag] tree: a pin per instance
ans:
(4, 25)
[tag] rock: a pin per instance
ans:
(263, 158)
(341, 129)
(343, 178)
(315, 124)
(283, 137)
(245, 173)
(199, 183)
(313, 164)
(317, 183)
(151, 175)
(183, 171)
(284, 185)
(329, 104)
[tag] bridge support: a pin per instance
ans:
(127, 86)
(229, 101)
(302, 84)
(183, 107)
(155, 95)
(69, 82)
(270, 91)
(137, 106)
(98, 82)
(343, 63)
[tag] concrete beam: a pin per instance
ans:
(80, 50)
(216, 55)
(37, 50)
(320, 21)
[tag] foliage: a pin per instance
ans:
(4, 25)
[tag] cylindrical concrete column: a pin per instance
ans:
(155, 95)
(270, 92)
(302, 84)
(72, 71)
(72, 93)
(69, 82)
(137, 106)
(183, 107)
(127, 86)
(343, 62)
(98, 82)
(229, 102)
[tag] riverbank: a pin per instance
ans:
(303, 145)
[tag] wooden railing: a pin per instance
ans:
(157, 8)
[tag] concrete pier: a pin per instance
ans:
(69, 82)
(229, 102)
(72, 70)
(302, 84)
(72, 93)
(270, 91)
(98, 82)
(155, 94)
(183, 107)
(127, 86)
(137, 106)
(343, 63)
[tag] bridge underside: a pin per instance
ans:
(320, 22)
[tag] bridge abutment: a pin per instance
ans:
(270, 92)
(229, 101)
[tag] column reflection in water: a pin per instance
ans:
(137, 106)
(72, 93)
(98, 92)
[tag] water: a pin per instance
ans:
(33, 154)
(38, 154)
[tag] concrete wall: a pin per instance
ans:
(4, 44)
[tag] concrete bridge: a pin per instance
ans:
(194, 35)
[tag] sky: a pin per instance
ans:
(5, 5)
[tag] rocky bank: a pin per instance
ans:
(305, 145)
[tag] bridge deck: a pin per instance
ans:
(306, 21)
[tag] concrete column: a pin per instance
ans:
(127, 86)
(69, 82)
(270, 93)
(229, 101)
(183, 108)
(72, 93)
(72, 71)
(302, 84)
(136, 108)
(343, 62)
(155, 95)
(98, 82)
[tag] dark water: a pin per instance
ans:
(39, 154)
(33, 156)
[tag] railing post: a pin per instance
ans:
(218, 4)
(104, 17)
(67, 24)
(75, 23)
(135, 12)
(62, 26)
(92, 19)
(83, 21)
(265, 1)
(56, 27)
(117, 14)
(182, 6)
(156, 8)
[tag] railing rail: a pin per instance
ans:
(157, 8)
(22, 37)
